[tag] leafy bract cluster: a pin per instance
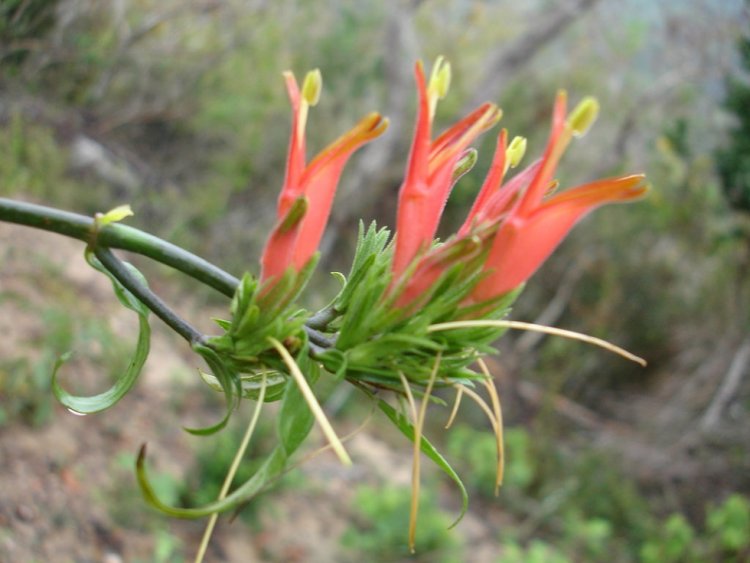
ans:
(362, 337)
(261, 312)
(376, 342)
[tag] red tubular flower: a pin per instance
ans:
(516, 225)
(537, 223)
(430, 173)
(307, 194)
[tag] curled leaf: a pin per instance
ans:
(295, 423)
(252, 384)
(124, 383)
(228, 381)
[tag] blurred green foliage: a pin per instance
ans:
(581, 508)
(125, 507)
(35, 165)
(21, 22)
(381, 521)
(724, 537)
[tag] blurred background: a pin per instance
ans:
(178, 108)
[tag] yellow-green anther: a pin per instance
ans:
(583, 116)
(515, 151)
(465, 163)
(312, 86)
(113, 215)
(440, 78)
(294, 215)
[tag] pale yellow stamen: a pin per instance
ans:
(312, 87)
(518, 325)
(309, 96)
(312, 402)
(489, 383)
(583, 116)
(456, 404)
(515, 152)
(440, 81)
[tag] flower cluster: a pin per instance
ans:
(381, 326)
(518, 224)
(414, 313)
(514, 226)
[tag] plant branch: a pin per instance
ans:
(118, 236)
(123, 237)
(146, 296)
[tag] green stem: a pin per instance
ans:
(146, 296)
(322, 318)
(118, 236)
(122, 237)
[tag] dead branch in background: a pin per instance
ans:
(504, 63)
(729, 386)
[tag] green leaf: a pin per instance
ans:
(407, 429)
(124, 383)
(272, 468)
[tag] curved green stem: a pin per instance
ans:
(118, 236)
(320, 320)
(146, 296)
(122, 237)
